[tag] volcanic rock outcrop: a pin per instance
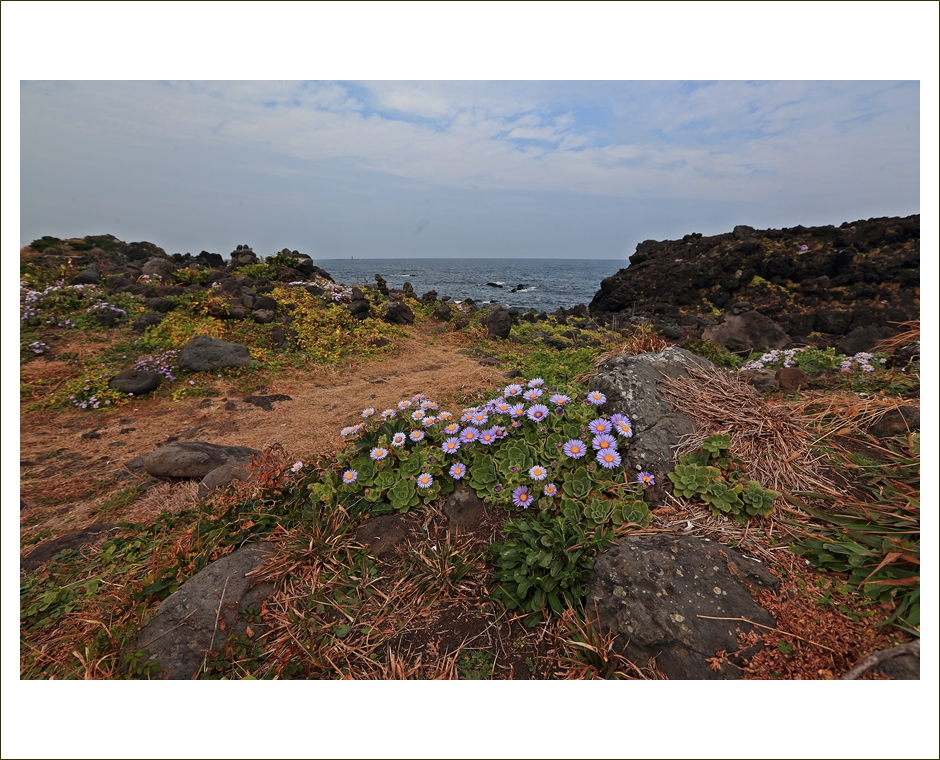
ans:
(817, 283)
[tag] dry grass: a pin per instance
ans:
(641, 340)
(841, 413)
(909, 334)
(774, 445)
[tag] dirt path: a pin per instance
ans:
(69, 459)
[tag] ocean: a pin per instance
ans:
(548, 283)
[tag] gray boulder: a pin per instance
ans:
(222, 475)
(194, 459)
(629, 383)
(74, 540)
(749, 331)
(498, 323)
(158, 267)
(652, 591)
(262, 316)
(147, 320)
(203, 353)
(162, 305)
(443, 312)
(204, 613)
(136, 381)
(89, 276)
(398, 313)
(863, 339)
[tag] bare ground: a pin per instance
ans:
(72, 461)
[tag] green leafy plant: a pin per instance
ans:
(718, 479)
(544, 564)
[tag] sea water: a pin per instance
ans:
(546, 283)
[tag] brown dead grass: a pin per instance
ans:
(774, 445)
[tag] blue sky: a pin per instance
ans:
(459, 168)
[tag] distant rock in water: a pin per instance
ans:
(824, 280)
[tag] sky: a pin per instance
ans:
(469, 130)
(376, 169)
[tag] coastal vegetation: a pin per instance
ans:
(509, 594)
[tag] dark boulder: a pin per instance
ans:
(863, 339)
(161, 305)
(443, 312)
(194, 460)
(262, 316)
(208, 610)
(135, 381)
(203, 354)
(746, 332)
(660, 594)
(74, 540)
(398, 313)
(89, 276)
(498, 323)
(147, 320)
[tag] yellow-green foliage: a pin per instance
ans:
(327, 332)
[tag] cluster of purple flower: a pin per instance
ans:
(864, 361)
(104, 305)
(511, 408)
(159, 365)
(772, 357)
(39, 347)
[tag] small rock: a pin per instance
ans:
(398, 313)
(137, 381)
(791, 379)
(203, 353)
(194, 459)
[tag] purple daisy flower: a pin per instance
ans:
(521, 497)
(452, 429)
(416, 435)
(538, 473)
(604, 442)
(429, 421)
(532, 395)
(549, 489)
(389, 414)
(600, 425)
(575, 449)
(469, 434)
(402, 405)
(646, 478)
(425, 480)
(467, 415)
(623, 426)
(536, 382)
(378, 453)
(479, 418)
(445, 416)
(499, 431)
(350, 476)
(398, 440)
(559, 399)
(418, 414)
(608, 458)
(368, 412)
(596, 398)
(503, 407)
(487, 436)
(517, 411)
(537, 412)
(458, 470)
(451, 445)
(512, 390)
